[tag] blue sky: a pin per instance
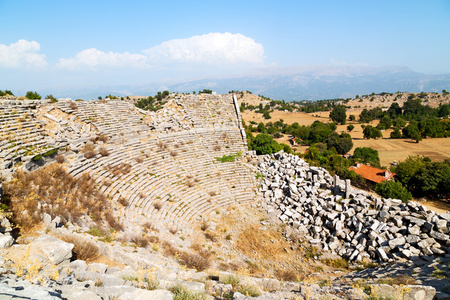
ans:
(75, 43)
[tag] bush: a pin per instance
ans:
(367, 155)
(371, 132)
(391, 189)
(53, 191)
(350, 128)
(338, 114)
(264, 144)
(181, 293)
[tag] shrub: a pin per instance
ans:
(60, 159)
(181, 293)
(139, 240)
(103, 151)
(204, 226)
(102, 137)
(73, 105)
(52, 190)
(123, 201)
(196, 261)
(173, 153)
(211, 236)
(391, 189)
(157, 205)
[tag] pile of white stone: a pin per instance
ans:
(352, 223)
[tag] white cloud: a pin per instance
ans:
(22, 54)
(212, 48)
(217, 49)
(94, 58)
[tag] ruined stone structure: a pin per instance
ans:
(161, 166)
(332, 215)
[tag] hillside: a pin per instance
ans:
(103, 199)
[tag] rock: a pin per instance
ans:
(140, 294)
(84, 295)
(54, 249)
(6, 241)
(415, 292)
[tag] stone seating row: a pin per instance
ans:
(156, 175)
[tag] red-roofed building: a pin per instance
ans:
(372, 174)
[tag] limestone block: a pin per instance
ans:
(6, 241)
(140, 294)
(54, 249)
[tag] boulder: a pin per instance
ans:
(6, 241)
(55, 250)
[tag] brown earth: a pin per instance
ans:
(436, 149)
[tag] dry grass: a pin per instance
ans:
(123, 201)
(53, 191)
(83, 249)
(88, 150)
(173, 153)
(217, 147)
(287, 275)
(139, 159)
(173, 230)
(190, 183)
(199, 261)
(103, 151)
(149, 227)
(161, 145)
(211, 236)
(398, 280)
(212, 193)
(257, 243)
(60, 158)
(204, 226)
(140, 241)
(102, 137)
(118, 170)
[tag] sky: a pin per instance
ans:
(58, 44)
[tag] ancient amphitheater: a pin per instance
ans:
(162, 165)
(181, 165)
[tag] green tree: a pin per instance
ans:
(261, 127)
(6, 93)
(370, 132)
(391, 189)
(266, 115)
(367, 155)
(399, 122)
(264, 144)
(350, 128)
(33, 95)
(342, 143)
(412, 131)
(51, 98)
(385, 123)
(396, 134)
(352, 118)
(338, 114)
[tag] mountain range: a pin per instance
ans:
(294, 83)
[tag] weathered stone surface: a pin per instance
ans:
(140, 294)
(6, 241)
(54, 249)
